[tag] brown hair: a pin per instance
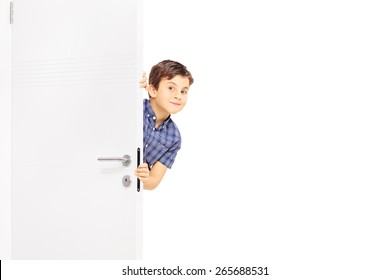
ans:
(168, 69)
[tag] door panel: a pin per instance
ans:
(83, 119)
(75, 98)
(60, 214)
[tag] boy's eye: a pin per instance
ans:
(184, 92)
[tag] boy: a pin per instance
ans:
(169, 82)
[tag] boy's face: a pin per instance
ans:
(171, 95)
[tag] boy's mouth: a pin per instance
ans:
(174, 103)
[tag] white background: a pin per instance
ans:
(285, 157)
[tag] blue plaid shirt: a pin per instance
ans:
(161, 143)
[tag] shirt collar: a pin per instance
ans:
(152, 116)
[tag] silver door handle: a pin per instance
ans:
(125, 159)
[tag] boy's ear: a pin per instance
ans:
(152, 91)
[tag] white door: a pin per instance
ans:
(76, 65)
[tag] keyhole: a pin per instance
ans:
(126, 180)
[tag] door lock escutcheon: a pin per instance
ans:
(126, 181)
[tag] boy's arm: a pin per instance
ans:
(151, 179)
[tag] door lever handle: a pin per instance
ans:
(125, 159)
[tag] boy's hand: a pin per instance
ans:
(142, 172)
(142, 82)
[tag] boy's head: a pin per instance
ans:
(168, 69)
(169, 82)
